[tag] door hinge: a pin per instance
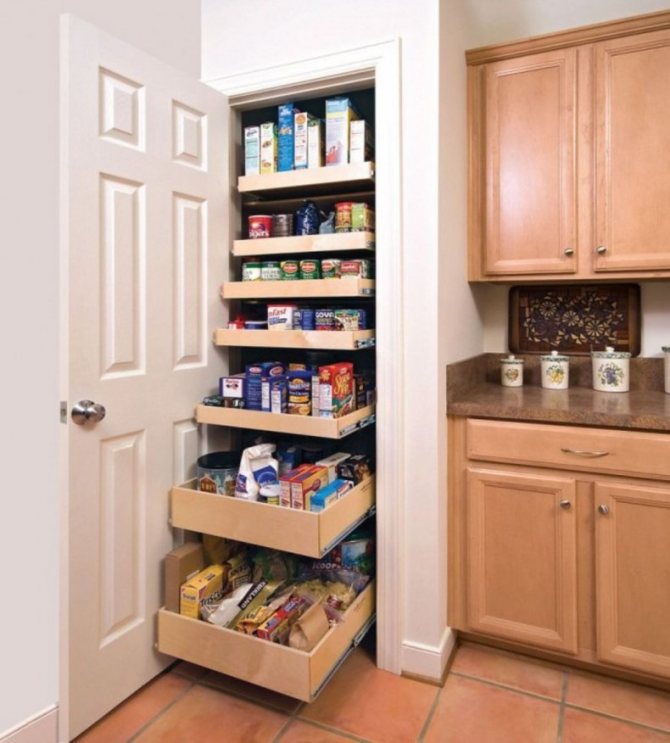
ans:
(63, 411)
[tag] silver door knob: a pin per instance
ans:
(604, 510)
(87, 411)
(601, 249)
(569, 252)
(565, 504)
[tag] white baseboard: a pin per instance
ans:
(40, 728)
(428, 661)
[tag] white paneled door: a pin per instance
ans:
(144, 227)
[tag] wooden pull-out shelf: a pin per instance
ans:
(302, 425)
(286, 529)
(298, 289)
(328, 340)
(292, 672)
(296, 244)
(357, 175)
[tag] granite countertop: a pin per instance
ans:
(474, 390)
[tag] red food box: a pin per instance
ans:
(286, 482)
(307, 483)
(336, 390)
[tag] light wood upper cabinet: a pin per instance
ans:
(529, 132)
(633, 576)
(521, 579)
(568, 163)
(632, 142)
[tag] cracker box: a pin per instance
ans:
(199, 588)
(331, 463)
(360, 142)
(306, 484)
(336, 390)
(181, 564)
(315, 143)
(286, 136)
(252, 150)
(300, 139)
(268, 147)
(339, 115)
(285, 482)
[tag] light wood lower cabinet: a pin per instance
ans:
(521, 557)
(575, 563)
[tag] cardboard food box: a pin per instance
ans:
(331, 463)
(286, 136)
(361, 146)
(199, 588)
(301, 139)
(268, 147)
(315, 143)
(336, 390)
(252, 150)
(332, 492)
(285, 482)
(181, 564)
(357, 468)
(306, 484)
(339, 115)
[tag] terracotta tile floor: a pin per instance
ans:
(489, 697)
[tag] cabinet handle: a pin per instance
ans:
(565, 504)
(601, 249)
(584, 453)
(604, 509)
(569, 252)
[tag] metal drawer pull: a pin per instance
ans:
(565, 504)
(584, 453)
(604, 510)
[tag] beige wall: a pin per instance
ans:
(29, 301)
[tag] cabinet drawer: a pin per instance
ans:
(278, 667)
(286, 529)
(570, 447)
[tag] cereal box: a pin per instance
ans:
(339, 115)
(360, 142)
(315, 143)
(199, 588)
(286, 136)
(252, 150)
(336, 390)
(306, 484)
(268, 147)
(300, 144)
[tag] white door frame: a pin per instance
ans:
(378, 63)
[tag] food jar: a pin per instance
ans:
(666, 351)
(251, 271)
(217, 472)
(282, 225)
(511, 371)
(260, 225)
(611, 370)
(555, 371)
(270, 271)
(343, 216)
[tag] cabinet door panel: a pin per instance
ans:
(633, 577)
(521, 560)
(530, 170)
(632, 145)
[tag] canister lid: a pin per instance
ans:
(665, 349)
(511, 359)
(555, 356)
(610, 353)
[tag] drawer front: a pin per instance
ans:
(570, 447)
(277, 667)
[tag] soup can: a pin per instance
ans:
(260, 225)
(251, 271)
(217, 472)
(270, 271)
(343, 216)
(282, 225)
(289, 270)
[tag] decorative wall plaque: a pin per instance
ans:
(574, 318)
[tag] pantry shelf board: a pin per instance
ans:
(298, 289)
(287, 529)
(304, 244)
(327, 340)
(296, 673)
(270, 203)
(353, 175)
(302, 425)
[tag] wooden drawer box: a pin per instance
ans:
(569, 447)
(287, 529)
(277, 667)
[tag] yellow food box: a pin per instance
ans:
(199, 588)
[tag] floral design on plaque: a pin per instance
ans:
(511, 374)
(610, 374)
(556, 373)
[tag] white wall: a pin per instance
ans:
(229, 47)
(492, 22)
(29, 300)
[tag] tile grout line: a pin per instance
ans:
(609, 716)
(243, 697)
(498, 685)
(430, 715)
(331, 729)
(159, 714)
(561, 711)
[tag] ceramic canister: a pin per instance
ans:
(555, 371)
(666, 351)
(511, 371)
(611, 370)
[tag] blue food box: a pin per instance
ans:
(257, 393)
(286, 136)
(330, 493)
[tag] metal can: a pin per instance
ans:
(307, 318)
(260, 225)
(290, 270)
(282, 225)
(270, 271)
(310, 269)
(330, 268)
(343, 216)
(251, 271)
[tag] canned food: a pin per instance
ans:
(330, 268)
(343, 216)
(282, 225)
(251, 271)
(362, 218)
(290, 270)
(310, 269)
(270, 271)
(260, 225)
